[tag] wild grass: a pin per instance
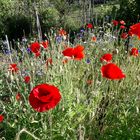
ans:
(98, 110)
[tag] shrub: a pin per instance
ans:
(49, 18)
(129, 11)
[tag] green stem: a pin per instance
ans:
(101, 111)
(25, 131)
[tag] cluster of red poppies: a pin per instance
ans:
(133, 30)
(74, 53)
(35, 47)
(121, 23)
(110, 70)
(44, 96)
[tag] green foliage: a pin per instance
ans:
(129, 11)
(5, 7)
(49, 18)
(61, 5)
(76, 116)
(58, 13)
(72, 24)
(16, 16)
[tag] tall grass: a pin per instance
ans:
(101, 109)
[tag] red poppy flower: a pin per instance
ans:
(18, 96)
(35, 47)
(122, 22)
(134, 52)
(27, 79)
(89, 26)
(65, 61)
(115, 22)
(1, 118)
(122, 27)
(130, 33)
(44, 97)
(79, 48)
(49, 61)
(13, 68)
(94, 39)
(124, 35)
(45, 44)
(89, 82)
(68, 52)
(37, 54)
(76, 53)
(112, 71)
(62, 32)
(135, 29)
(106, 57)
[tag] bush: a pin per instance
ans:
(129, 11)
(72, 23)
(49, 18)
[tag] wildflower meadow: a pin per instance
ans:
(52, 88)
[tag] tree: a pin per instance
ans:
(129, 11)
(5, 11)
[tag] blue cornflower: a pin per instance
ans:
(82, 30)
(8, 51)
(88, 61)
(58, 39)
(81, 35)
(28, 50)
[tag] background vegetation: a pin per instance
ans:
(92, 107)
(17, 17)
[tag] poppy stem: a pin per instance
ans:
(101, 111)
(25, 131)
